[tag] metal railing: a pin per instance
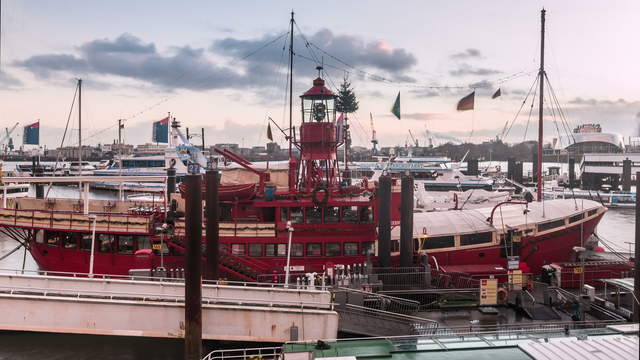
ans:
(364, 320)
(265, 353)
(380, 301)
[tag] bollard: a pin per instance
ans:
(511, 168)
(193, 271)
(384, 221)
(406, 221)
(572, 173)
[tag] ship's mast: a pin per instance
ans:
(541, 74)
(79, 126)
(291, 179)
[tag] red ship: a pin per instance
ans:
(330, 221)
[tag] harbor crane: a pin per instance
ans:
(374, 139)
(415, 141)
(6, 141)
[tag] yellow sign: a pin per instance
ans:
(516, 238)
(515, 279)
(488, 291)
(577, 270)
(157, 246)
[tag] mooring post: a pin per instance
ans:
(193, 268)
(626, 175)
(572, 173)
(511, 168)
(406, 221)
(636, 277)
(213, 226)
(39, 172)
(384, 221)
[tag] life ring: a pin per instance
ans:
(325, 197)
(502, 295)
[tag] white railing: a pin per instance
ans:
(266, 353)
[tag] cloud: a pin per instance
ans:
(415, 116)
(8, 81)
(467, 54)
(465, 69)
(598, 102)
(483, 84)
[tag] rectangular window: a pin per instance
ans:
(350, 214)
(332, 249)
(296, 215)
(577, 217)
(237, 249)
(284, 214)
(366, 215)
(297, 249)
(331, 214)
(395, 245)
(367, 248)
(105, 242)
(438, 242)
(550, 225)
(314, 249)
(125, 244)
(592, 212)
(85, 242)
(475, 239)
(144, 242)
(69, 241)
(281, 250)
(53, 239)
(270, 250)
(314, 215)
(255, 250)
(350, 249)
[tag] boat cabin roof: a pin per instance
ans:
(440, 223)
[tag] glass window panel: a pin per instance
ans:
(255, 250)
(270, 250)
(350, 214)
(367, 248)
(297, 249)
(85, 242)
(314, 215)
(54, 239)
(284, 214)
(296, 215)
(237, 249)
(332, 249)
(332, 214)
(281, 250)
(438, 242)
(105, 242)
(125, 244)
(350, 249)
(144, 242)
(475, 239)
(314, 249)
(69, 241)
(366, 215)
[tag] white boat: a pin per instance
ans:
(13, 190)
(81, 168)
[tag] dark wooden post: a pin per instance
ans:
(406, 221)
(626, 175)
(213, 226)
(193, 268)
(384, 221)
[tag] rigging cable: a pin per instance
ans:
(508, 129)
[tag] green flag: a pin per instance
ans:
(395, 110)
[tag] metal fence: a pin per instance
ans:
(266, 353)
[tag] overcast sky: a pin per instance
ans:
(142, 59)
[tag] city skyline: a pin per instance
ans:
(218, 67)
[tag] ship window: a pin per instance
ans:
(276, 250)
(350, 214)
(270, 250)
(332, 249)
(105, 242)
(350, 249)
(237, 249)
(53, 239)
(438, 242)
(314, 249)
(225, 212)
(85, 242)
(592, 212)
(366, 215)
(550, 225)
(331, 214)
(144, 242)
(577, 217)
(69, 241)
(296, 215)
(367, 248)
(475, 239)
(284, 214)
(281, 250)
(255, 250)
(297, 250)
(125, 244)
(314, 215)
(395, 245)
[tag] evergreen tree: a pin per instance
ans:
(346, 101)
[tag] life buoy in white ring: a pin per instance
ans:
(502, 295)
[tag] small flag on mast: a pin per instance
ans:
(31, 134)
(496, 94)
(395, 110)
(161, 131)
(466, 103)
(269, 134)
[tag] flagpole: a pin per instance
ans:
(541, 97)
